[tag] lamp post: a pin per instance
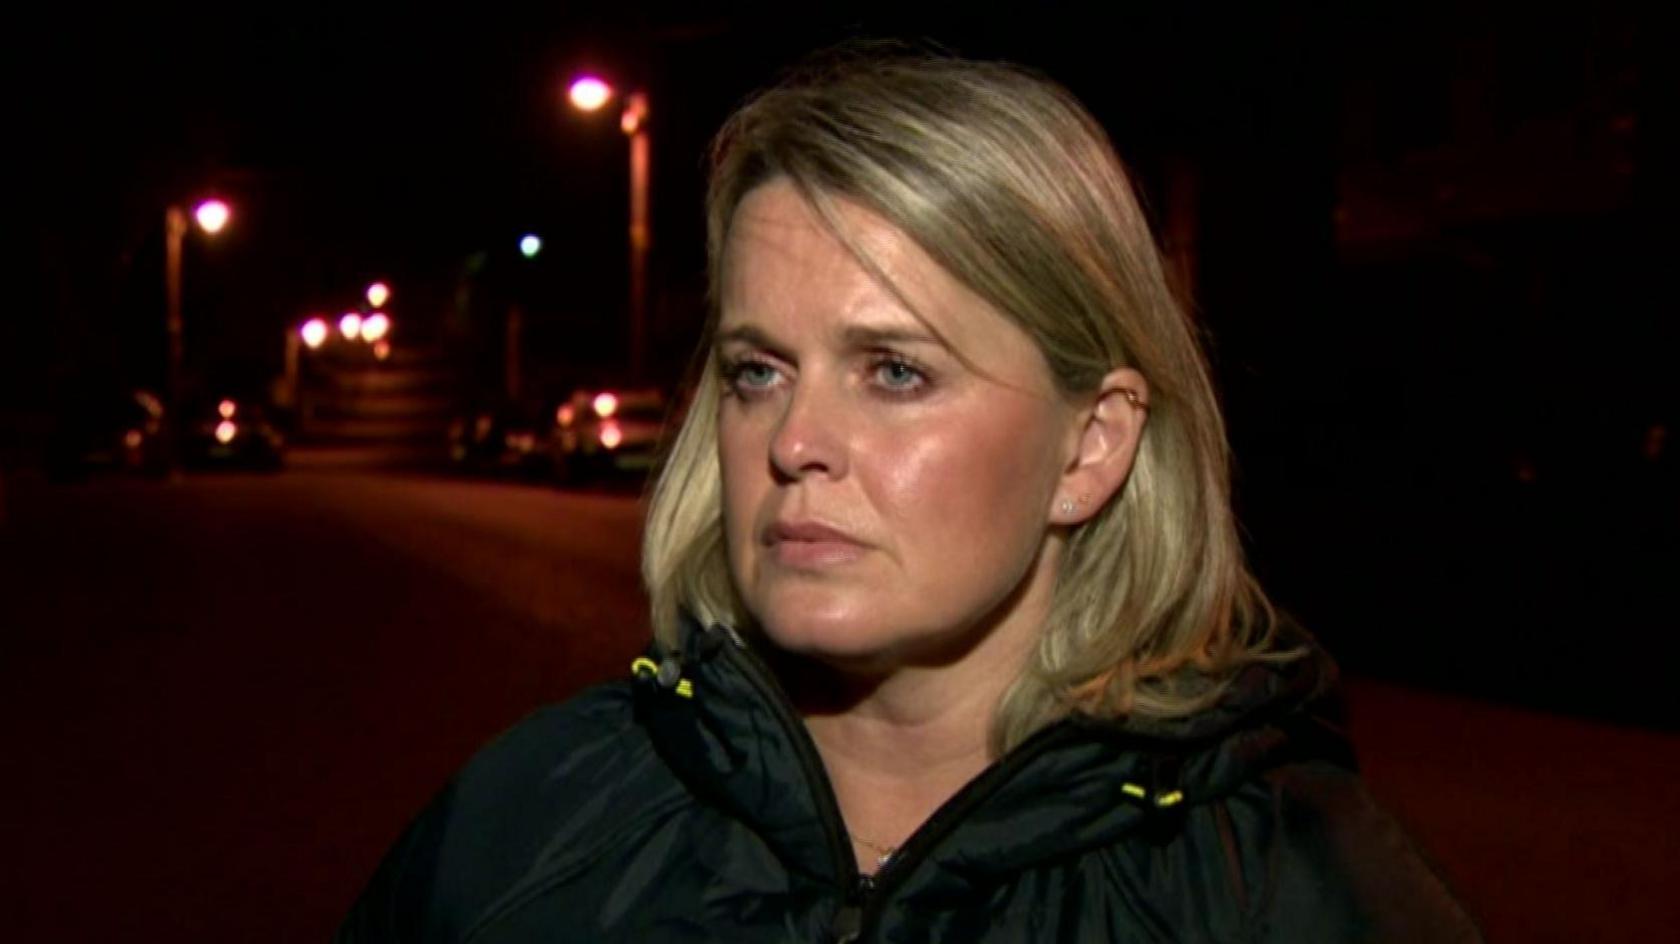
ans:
(590, 93)
(211, 215)
(312, 333)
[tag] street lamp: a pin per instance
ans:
(375, 326)
(212, 215)
(590, 93)
(314, 332)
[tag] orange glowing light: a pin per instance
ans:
(611, 435)
(226, 430)
(381, 349)
(226, 409)
(589, 93)
(565, 415)
(133, 438)
(605, 405)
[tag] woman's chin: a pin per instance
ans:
(825, 630)
(832, 641)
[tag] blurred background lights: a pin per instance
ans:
(611, 435)
(530, 244)
(350, 325)
(314, 332)
(225, 431)
(378, 294)
(590, 93)
(605, 405)
(375, 327)
(212, 215)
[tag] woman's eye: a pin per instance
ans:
(749, 376)
(899, 376)
(757, 375)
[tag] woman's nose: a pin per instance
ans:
(809, 437)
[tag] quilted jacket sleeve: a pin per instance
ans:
(1338, 867)
(539, 799)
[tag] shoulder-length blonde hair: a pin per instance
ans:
(1006, 181)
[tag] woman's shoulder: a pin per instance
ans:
(1330, 858)
(559, 788)
(538, 752)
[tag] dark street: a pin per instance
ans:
(227, 695)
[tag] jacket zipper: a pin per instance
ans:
(810, 763)
(947, 818)
(864, 894)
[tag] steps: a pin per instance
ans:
(357, 412)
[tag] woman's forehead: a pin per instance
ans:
(850, 271)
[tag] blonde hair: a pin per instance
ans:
(1010, 185)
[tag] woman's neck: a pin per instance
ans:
(898, 746)
(901, 735)
(892, 764)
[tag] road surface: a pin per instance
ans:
(224, 698)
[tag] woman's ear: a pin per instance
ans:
(1109, 429)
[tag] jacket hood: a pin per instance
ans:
(722, 723)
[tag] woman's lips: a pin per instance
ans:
(808, 544)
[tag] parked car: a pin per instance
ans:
(108, 430)
(231, 433)
(500, 438)
(608, 431)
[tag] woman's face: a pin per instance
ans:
(885, 502)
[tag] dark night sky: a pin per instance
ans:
(356, 143)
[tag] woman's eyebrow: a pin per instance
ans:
(752, 336)
(746, 334)
(855, 336)
(866, 336)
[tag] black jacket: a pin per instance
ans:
(690, 805)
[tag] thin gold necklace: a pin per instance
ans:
(883, 852)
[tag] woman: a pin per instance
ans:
(954, 638)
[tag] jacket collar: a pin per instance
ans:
(733, 737)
